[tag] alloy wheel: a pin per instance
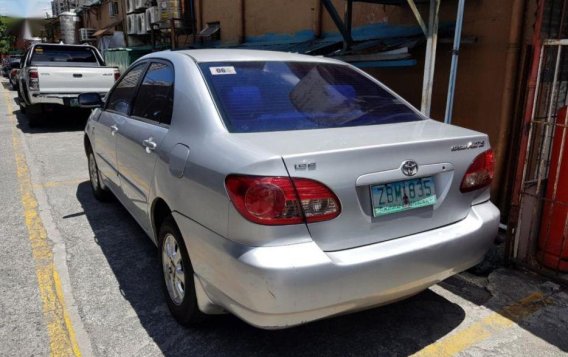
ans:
(174, 272)
(93, 172)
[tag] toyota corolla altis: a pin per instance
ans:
(286, 188)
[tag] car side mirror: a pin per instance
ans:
(90, 100)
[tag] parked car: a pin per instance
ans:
(9, 63)
(5, 68)
(286, 188)
(14, 75)
(53, 75)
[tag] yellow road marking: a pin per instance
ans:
(62, 341)
(486, 327)
(50, 184)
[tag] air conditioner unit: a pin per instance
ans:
(131, 24)
(113, 8)
(152, 16)
(141, 24)
(86, 34)
(141, 4)
(130, 6)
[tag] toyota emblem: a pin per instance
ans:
(409, 168)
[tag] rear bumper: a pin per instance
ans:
(277, 287)
(55, 98)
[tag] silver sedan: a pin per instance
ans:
(286, 188)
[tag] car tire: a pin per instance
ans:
(100, 192)
(20, 101)
(177, 275)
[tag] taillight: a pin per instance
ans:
(318, 202)
(480, 172)
(281, 200)
(33, 79)
(116, 74)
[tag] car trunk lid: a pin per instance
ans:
(352, 160)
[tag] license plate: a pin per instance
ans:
(73, 102)
(402, 196)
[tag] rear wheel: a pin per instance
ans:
(178, 284)
(99, 191)
(20, 101)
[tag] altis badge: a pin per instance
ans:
(469, 146)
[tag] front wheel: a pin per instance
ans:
(178, 284)
(99, 191)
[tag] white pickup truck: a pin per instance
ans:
(55, 74)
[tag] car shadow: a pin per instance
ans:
(402, 328)
(61, 120)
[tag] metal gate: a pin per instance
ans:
(545, 142)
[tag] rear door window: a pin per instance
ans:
(278, 96)
(64, 55)
(121, 97)
(155, 98)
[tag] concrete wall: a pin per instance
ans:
(291, 16)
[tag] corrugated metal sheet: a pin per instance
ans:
(375, 41)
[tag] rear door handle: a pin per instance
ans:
(149, 144)
(113, 130)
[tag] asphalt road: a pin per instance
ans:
(106, 278)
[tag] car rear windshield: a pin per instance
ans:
(278, 96)
(62, 55)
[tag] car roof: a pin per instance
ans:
(241, 55)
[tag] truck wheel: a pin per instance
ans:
(20, 101)
(177, 282)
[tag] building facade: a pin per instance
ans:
(59, 6)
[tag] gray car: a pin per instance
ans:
(286, 188)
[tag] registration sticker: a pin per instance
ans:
(219, 71)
